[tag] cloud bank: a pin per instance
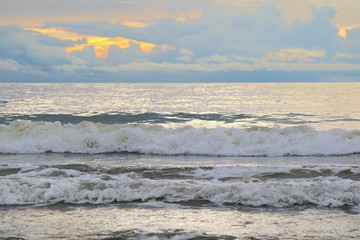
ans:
(208, 37)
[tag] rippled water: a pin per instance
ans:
(323, 105)
(180, 161)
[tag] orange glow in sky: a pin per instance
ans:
(100, 44)
(58, 33)
(135, 24)
(189, 15)
(343, 29)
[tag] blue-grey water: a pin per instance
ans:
(180, 161)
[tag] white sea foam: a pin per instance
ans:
(88, 137)
(41, 187)
(225, 172)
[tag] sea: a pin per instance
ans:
(180, 161)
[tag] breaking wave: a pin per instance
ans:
(79, 188)
(93, 138)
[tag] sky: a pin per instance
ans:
(179, 41)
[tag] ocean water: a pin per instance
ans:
(180, 161)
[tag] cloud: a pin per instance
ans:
(190, 37)
(36, 12)
(298, 10)
(352, 41)
(186, 52)
(25, 48)
(214, 59)
(9, 65)
(296, 54)
(250, 33)
(342, 55)
(217, 63)
(186, 55)
(101, 45)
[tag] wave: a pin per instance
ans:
(80, 188)
(93, 138)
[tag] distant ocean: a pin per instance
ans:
(180, 161)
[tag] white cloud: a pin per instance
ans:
(28, 49)
(214, 59)
(71, 68)
(296, 54)
(9, 65)
(257, 64)
(187, 52)
(343, 55)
